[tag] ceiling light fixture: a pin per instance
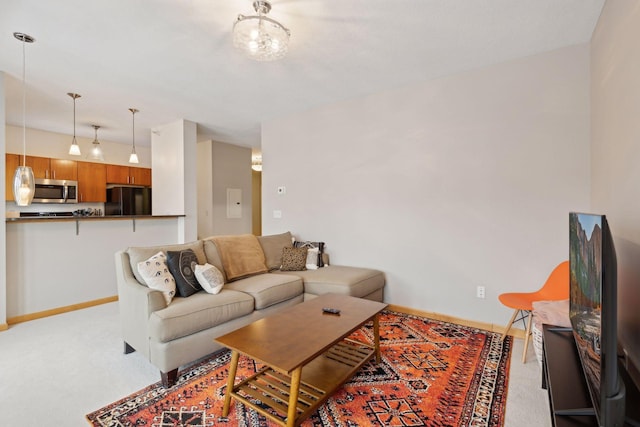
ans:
(133, 158)
(24, 184)
(74, 150)
(96, 150)
(259, 37)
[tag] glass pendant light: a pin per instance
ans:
(74, 150)
(96, 150)
(23, 181)
(133, 158)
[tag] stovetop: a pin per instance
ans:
(44, 214)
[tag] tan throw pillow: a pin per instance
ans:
(272, 246)
(210, 278)
(241, 255)
(294, 259)
(156, 275)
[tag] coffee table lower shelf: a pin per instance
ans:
(305, 389)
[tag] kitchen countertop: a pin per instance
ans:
(89, 218)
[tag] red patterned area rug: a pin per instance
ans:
(432, 374)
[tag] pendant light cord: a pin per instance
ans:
(74, 120)
(24, 107)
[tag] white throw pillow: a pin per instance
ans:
(210, 278)
(312, 258)
(156, 275)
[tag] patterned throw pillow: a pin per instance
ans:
(182, 265)
(156, 275)
(312, 258)
(294, 259)
(210, 278)
(311, 245)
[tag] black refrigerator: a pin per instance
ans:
(128, 201)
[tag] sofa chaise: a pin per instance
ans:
(175, 333)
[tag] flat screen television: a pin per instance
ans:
(593, 312)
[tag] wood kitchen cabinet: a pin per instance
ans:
(92, 182)
(117, 174)
(64, 169)
(140, 176)
(39, 165)
(46, 168)
(12, 161)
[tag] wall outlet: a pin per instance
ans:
(480, 292)
(282, 190)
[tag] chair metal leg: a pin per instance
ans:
(508, 328)
(526, 337)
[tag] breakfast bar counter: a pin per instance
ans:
(28, 219)
(54, 263)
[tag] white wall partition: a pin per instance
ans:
(615, 88)
(3, 243)
(445, 185)
(50, 266)
(173, 148)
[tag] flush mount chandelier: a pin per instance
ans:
(259, 37)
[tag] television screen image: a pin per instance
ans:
(585, 253)
(593, 312)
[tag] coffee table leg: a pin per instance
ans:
(293, 397)
(376, 337)
(233, 367)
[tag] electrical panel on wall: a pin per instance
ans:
(234, 203)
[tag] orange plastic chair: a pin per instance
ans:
(554, 289)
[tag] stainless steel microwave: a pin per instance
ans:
(56, 191)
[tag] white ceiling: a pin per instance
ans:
(174, 59)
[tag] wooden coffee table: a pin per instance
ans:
(307, 356)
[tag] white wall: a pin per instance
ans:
(173, 148)
(56, 145)
(615, 88)
(205, 188)
(3, 244)
(446, 185)
(222, 166)
(231, 169)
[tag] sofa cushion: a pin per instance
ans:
(294, 259)
(269, 288)
(137, 254)
(182, 265)
(241, 255)
(272, 247)
(186, 316)
(339, 279)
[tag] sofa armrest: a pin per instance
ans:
(136, 303)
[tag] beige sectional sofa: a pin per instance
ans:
(175, 334)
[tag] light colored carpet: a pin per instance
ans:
(55, 370)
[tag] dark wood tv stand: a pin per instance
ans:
(562, 376)
(564, 380)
